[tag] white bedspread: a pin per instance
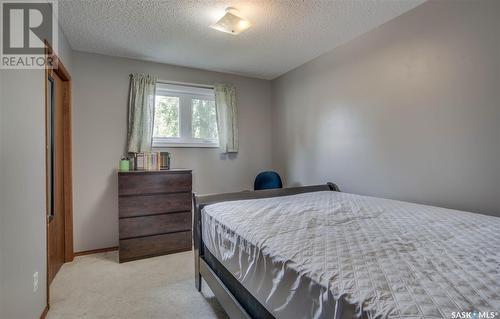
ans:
(382, 258)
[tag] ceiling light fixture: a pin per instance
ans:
(231, 22)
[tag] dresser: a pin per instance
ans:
(154, 213)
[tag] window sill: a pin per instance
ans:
(159, 142)
(185, 145)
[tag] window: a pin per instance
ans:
(184, 117)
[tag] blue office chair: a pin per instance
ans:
(267, 180)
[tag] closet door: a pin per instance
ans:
(56, 213)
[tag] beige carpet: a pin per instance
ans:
(97, 286)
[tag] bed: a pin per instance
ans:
(315, 252)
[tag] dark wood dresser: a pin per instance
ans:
(154, 213)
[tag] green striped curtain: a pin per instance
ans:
(141, 113)
(227, 117)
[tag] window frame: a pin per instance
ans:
(185, 94)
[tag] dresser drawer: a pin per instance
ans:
(154, 245)
(154, 225)
(151, 183)
(154, 204)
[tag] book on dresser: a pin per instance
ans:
(154, 213)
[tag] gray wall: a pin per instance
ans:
(99, 131)
(22, 193)
(410, 110)
(2, 283)
(22, 190)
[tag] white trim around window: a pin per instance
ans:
(185, 94)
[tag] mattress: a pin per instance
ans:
(338, 255)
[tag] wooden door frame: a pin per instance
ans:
(57, 67)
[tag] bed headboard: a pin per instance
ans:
(203, 200)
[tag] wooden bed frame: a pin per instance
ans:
(234, 298)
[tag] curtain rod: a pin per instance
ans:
(196, 85)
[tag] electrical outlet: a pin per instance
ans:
(35, 281)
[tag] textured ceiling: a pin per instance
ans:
(284, 35)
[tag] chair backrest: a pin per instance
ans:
(267, 180)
